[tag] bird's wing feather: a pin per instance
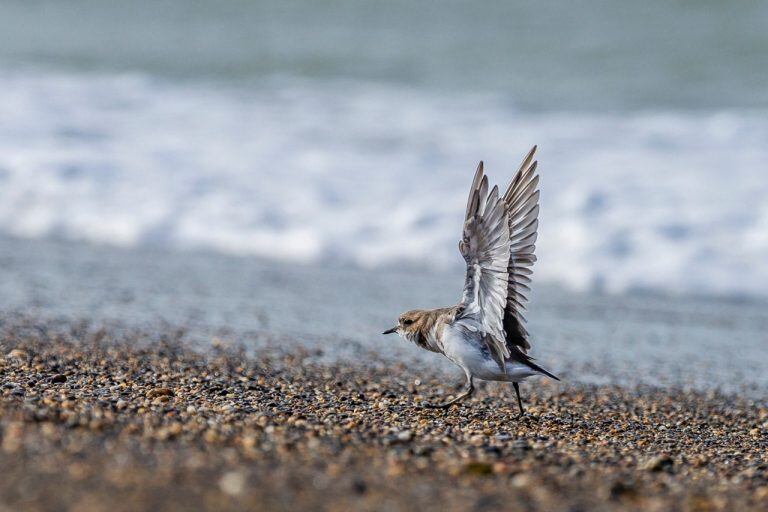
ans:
(522, 203)
(498, 244)
(485, 246)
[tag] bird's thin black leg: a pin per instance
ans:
(469, 388)
(519, 402)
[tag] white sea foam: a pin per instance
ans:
(377, 175)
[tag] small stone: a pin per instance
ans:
(620, 490)
(59, 378)
(359, 486)
(154, 393)
(232, 483)
(405, 436)
(522, 481)
(478, 468)
(18, 354)
(210, 436)
(700, 461)
(659, 463)
(521, 444)
(12, 437)
(500, 468)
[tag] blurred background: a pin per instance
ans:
(240, 161)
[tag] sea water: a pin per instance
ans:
(349, 131)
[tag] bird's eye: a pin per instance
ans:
(407, 321)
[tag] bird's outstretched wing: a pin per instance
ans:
(485, 248)
(498, 244)
(522, 202)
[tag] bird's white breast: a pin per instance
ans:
(467, 349)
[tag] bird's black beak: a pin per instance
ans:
(390, 331)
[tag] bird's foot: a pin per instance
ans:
(468, 390)
(447, 404)
(437, 406)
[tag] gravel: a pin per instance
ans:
(91, 420)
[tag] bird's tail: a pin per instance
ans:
(521, 357)
(541, 370)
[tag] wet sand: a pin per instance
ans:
(92, 421)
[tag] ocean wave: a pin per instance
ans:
(376, 175)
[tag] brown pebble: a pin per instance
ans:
(478, 468)
(659, 463)
(153, 393)
(18, 354)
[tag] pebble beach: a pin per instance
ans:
(94, 420)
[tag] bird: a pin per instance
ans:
(484, 334)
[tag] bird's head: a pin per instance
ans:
(409, 324)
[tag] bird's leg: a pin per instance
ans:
(519, 402)
(469, 388)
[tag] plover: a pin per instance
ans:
(484, 333)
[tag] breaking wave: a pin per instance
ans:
(376, 175)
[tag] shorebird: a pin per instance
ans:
(484, 334)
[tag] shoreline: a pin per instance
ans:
(128, 425)
(146, 295)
